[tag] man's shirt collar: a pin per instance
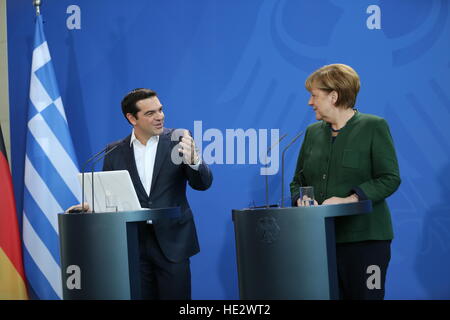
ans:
(133, 139)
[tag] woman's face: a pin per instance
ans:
(323, 103)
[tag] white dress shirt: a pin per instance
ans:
(144, 156)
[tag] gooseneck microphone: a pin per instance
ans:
(82, 175)
(92, 171)
(267, 177)
(84, 170)
(282, 166)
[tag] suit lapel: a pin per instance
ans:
(128, 154)
(161, 155)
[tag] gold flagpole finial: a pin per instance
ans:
(37, 4)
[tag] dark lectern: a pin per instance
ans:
(104, 246)
(289, 253)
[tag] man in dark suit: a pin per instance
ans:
(148, 155)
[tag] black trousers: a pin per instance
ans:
(362, 268)
(161, 279)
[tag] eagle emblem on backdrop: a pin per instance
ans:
(267, 229)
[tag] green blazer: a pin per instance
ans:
(362, 158)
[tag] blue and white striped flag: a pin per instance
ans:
(51, 170)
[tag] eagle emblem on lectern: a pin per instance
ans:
(268, 229)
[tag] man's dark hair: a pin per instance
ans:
(130, 100)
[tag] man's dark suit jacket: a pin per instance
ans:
(176, 237)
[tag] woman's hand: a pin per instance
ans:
(337, 200)
(306, 202)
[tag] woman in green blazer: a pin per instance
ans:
(349, 156)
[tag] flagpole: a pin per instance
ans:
(50, 173)
(37, 4)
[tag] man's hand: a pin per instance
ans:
(187, 147)
(78, 208)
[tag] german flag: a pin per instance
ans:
(12, 276)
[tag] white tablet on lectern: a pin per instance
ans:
(113, 191)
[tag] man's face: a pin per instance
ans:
(149, 121)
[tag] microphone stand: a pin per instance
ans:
(82, 175)
(267, 176)
(282, 166)
(92, 172)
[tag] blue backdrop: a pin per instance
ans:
(242, 64)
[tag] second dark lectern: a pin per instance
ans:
(104, 248)
(289, 253)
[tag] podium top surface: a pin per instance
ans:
(325, 211)
(127, 216)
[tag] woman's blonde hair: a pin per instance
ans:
(336, 77)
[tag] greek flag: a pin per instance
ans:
(51, 170)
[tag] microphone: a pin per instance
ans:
(92, 171)
(267, 178)
(282, 166)
(82, 175)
